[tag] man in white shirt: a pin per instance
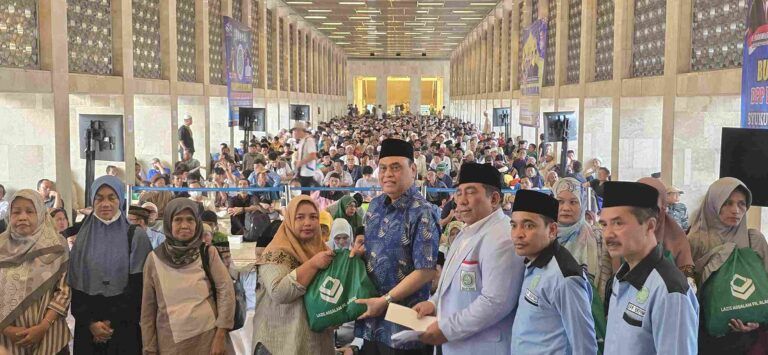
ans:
(306, 155)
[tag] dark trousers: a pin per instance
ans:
(376, 348)
(306, 181)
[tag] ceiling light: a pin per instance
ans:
(422, 11)
(315, 17)
(351, 3)
(429, 4)
(456, 24)
(426, 18)
(411, 33)
(454, 37)
(368, 11)
(332, 24)
(335, 36)
(482, 4)
(359, 17)
(463, 12)
(450, 43)
(377, 33)
(326, 28)
(342, 43)
(424, 29)
(318, 11)
(374, 23)
(471, 18)
(341, 33)
(422, 37)
(414, 24)
(299, 3)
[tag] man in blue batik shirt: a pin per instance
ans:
(652, 310)
(401, 240)
(554, 313)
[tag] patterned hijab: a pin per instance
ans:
(173, 251)
(579, 238)
(287, 242)
(29, 265)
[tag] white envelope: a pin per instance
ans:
(407, 317)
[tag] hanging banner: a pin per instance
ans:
(239, 72)
(534, 52)
(529, 111)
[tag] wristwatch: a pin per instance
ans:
(388, 298)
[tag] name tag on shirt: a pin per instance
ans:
(634, 315)
(531, 298)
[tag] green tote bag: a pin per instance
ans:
(738, 290)
(330, 298)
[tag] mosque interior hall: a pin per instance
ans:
(650, 84)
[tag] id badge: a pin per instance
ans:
(468, 280)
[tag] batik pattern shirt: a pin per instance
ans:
(400, 237)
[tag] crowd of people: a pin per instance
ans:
(570, 262)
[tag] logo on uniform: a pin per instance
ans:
(742, 287)
(330, 290)
(642, 296)
(535, 281)
(468, 280)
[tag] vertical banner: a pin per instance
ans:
(534, 51)
(529, 111)
(237, 53)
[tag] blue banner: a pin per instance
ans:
(754, 72)
(534, 51)
(239, 64)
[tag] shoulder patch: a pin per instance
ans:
(673, 278)
(568, 265)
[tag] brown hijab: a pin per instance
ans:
(286, 247)
(668, 232)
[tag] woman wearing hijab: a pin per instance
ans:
(287, 266)
(326, 220)
(449, 235)
(341, 235)
(575, 234)
(105, 274)
(180, 313)
(33, 267)
(347, 209)
(717, 229)
(669, 233)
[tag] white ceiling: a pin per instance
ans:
(434, 27)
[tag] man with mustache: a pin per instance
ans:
(401, 241)
(554, 311)
(477, 295)
(652, 309)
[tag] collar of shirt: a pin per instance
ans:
(544, 256)
(479, 225)
(637, 276)
(404, 200)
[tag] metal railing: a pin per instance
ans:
(285, 190)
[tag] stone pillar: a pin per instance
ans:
(54, 56)
(622, 54)
(381, 92)
(415, 94)
(123, 39)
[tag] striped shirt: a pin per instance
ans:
(58, 335)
